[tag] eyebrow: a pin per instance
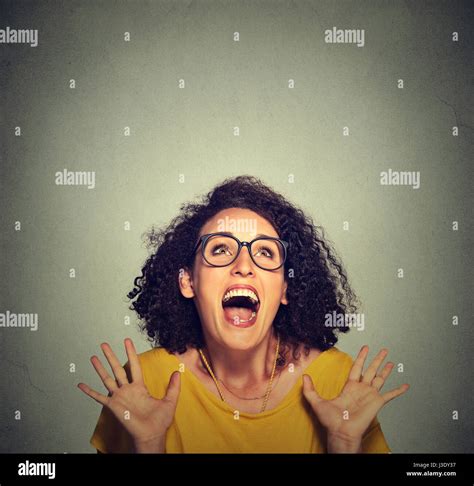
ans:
(256, 236)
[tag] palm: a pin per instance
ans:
(350, 414)
(352, 411)
(142, 415)
(145, 418)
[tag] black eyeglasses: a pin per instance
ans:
(222, 249)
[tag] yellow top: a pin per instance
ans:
(203, 423)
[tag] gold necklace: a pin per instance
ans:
(253, 398)
(269, 389)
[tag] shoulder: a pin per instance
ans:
(157, 365)
(158, 359)
(339, 358)
(330, 371)
(155, 355)
(331, 359)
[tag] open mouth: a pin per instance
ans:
(240, 306)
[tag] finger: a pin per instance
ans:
(379, 380)
(174, 386)
(309, 391)
(107, 380)
(102, 399)
(371, 371)
(358, 365)
(117, 368)
(395, 393)
(135, 368)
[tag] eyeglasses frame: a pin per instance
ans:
(204, 239)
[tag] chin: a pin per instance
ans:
(237, 337)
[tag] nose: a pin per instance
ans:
(243, 265)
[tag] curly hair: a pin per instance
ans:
(317, 282)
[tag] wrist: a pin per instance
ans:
(150, 446)
(340, 443)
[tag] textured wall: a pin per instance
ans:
(286, 131)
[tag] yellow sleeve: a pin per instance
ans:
(373, 440)
(109, 435)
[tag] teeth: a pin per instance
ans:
(241, 293)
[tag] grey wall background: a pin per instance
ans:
(190, 131)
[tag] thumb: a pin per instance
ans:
(173, 389)
(309, 391)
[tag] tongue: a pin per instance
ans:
(243, 313)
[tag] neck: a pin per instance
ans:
(242, 369)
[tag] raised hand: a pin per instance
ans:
(145, 418)
(348, 416)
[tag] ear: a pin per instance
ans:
(284, 299)
(186, 283)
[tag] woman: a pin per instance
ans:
(235, 298)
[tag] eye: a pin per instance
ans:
(265, 251)
(220, 249)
